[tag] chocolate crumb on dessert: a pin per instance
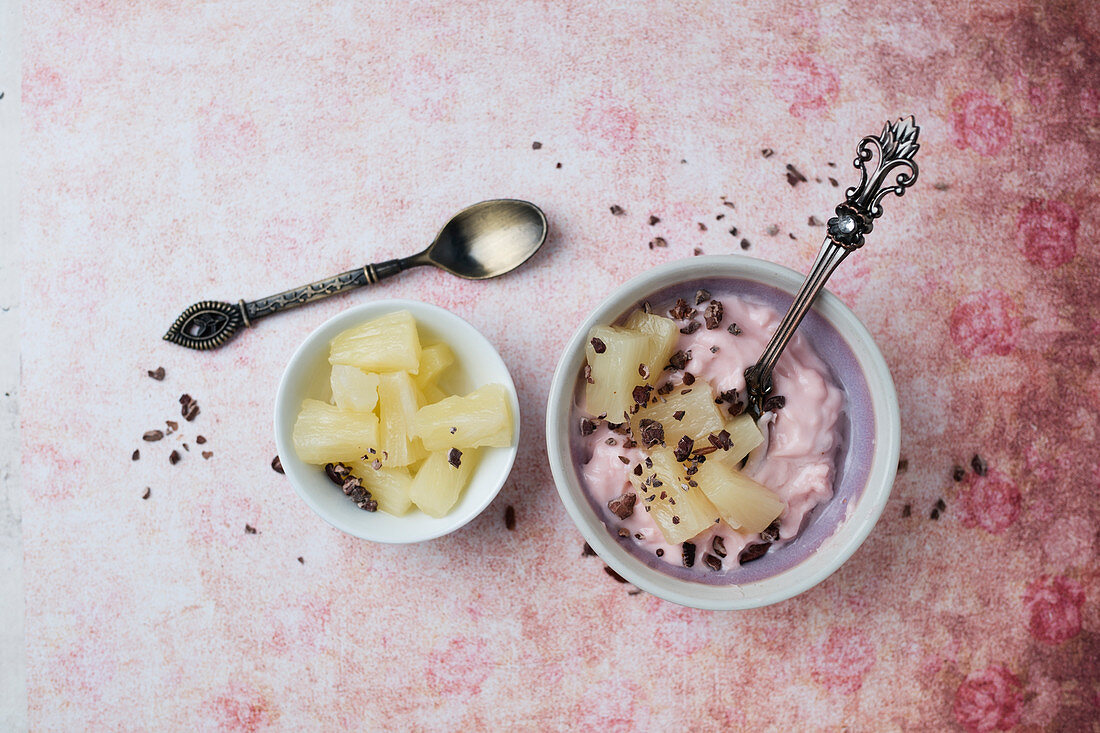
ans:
(771, 532)
(136, 455)
(718, 545)
(774, 402)
(713, 315)
(301, 560)
(675, 519)
(734, 329)
(277, 465)
(712, 562)
(681, 311)
(587, 426)
(536, 145)
(958, 473)
(200, 439)
(249, 529)
(813, 221)
(689, 378)
(745, 244)
(607, 569)
(767, 152)
(617, 210)
(691, 328)
(587, 372)
(598, 346)
(906, 510)
(683, 448)
(174, 457)
(658, 242)
(688, 554)
(337, 472)
(653, 220)
(680, 359)
(734, 232)
(794, 176)
(641, 393)
(701, 296)
(148, 493)
(207, 453)
(660, 552)
(454, 457)
(152, 435)
(753, 552)
(623, 532)
(643, 371)
(678, 415)
(665, 388)
(652, 432)
(510, 518)
(721, 441)
(157, 374)
(587, 550)
(730, 395)
(979, 465)
(638, 470)
(903, 465)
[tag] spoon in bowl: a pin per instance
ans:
(482, 241)
(895, 146)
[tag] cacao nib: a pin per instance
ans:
(510, 518)
(277, 465)
(753, 552)
(771, 532)
(652, 432)
(680, 359)
(691, 328)
(587, 426)
(678, 415)
(734, 329)
(641, 394)
(979, 465)
(454, 457)
(719, 546)
(658, 242)
(174, 457)
(598, 346)
(249, 529)
(906, 510)
(623, 505)
(701, 296)
(136, 455)
(958, 473)
(689, 378)
(157, 374)
(148, 493)
(688, 554)
(653, 220)
(774, 402)
(713, 315)
(721, 440)
(617, 210)
(683, 448)
(712, 562)
(152, 435)
(681, 311)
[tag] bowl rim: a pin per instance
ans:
(860, 517)
(437, 318)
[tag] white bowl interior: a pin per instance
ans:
(859, 517)
(307, 376)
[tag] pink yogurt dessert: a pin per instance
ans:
(796, 461)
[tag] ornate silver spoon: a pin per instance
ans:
(896, 145)
(482, 241)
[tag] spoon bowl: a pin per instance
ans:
(488, 239)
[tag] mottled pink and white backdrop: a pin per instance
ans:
(175, 151)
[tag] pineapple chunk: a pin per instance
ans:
(701, 416)
(481, 418)
(324, 434)
(397, 407)
(615, 370)
(354, 389)
(437, 484)
(388, 486)
(680, 510)
(745, 504)
(389, 343)
(744, 435)
(662, 334)
(434, 360)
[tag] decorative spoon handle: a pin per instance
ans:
(896, 146)
(209, 324)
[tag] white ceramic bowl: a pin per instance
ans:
(307, 375)
(866, 464)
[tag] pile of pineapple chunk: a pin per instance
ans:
(391, 424)
(689, 479)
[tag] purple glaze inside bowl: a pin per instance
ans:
(852, 463)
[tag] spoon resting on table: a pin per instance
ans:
(895, 146)
(482, 241)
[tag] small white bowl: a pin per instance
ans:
(477, 363)
(865, 466)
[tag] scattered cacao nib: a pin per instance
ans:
(813, 221)
(940, 186)
(718, 545)
(185, 399)
(200, 439)
(730, 395)
(587, 551)
(935, 514)
(691, 328)
(628, 443)
(689, 378)
(734, 329)
(148, 492)
(680, 359)
(697, 251)
(831, 164)
(625, 460)
(665, 388)
(906, 511)
(688, 554)
(653, 220)
(301, 560)
(713, 315)
(172, 425)
(652, 432)
(701, 296)
(678, 415)
(794, 176)
(734, 232)
(611, 441)
(702, 227)
(454, 457)
(675, 519)
(706, 450)
(658, 242)
(767, 152)
(774, 402)
(771, 532)
(277, 465)
(174, 457)
(587, 426)
(136, 455)
(337, 472)
(683, 448)
(536, 145)
(510, 518)
(641, 394)
(753, 552)
(557, 165)
(685, 391)
(186, 447)
(649, 461)
(152, 435)
(833, 182)
(745, 244)
(617, 210)
(660, 552)
(941, 505)
(720, 217)
(979, 465)
(623, 532)
(190, 411)
(157, 374)
(638, 470)
(903, 465)
(646, 307)
(681, 311)
(607, 569)
(249, 529)
(736, 408)
(729, 204)
(207, 453)
(598, 346)
(712, 562)
(643, 371)
(352, 485)
(721, 441)
(958, 473)
(791, 235)
(772, 230)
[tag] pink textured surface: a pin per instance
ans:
(176, 151)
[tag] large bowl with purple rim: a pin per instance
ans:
(865, 465)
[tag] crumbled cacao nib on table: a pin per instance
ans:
(958, 473)
(734, 231)
(688, 554)
(148, 493)
(906, 510)
(745, 244)
(713, 315)
(587, 426)
(135, 455)
(833, 182)
(729, 204)
(701, 296)
(652, 432)
(277, 465)
(174, 457)
(510, 518)
(557, 165)
(935, 514)
(691, 328)
(794, 176)
(617, 210)
(190, 411)
(721, 441)
(536, 145)
(587, 551)
(151, 436)
(658, 242)
(702, 226)
(249, 529)
(767, 152)
(712, 562)
(653, 220)
(979, 465)
(172, 426)
(157, 374)
(753, 552)
(200, 439)
(301, 560)
(187, 447)
(681, 311)
(771, 532)
(813, 221)
(598, 346)
(680, 359)
(454, 457)
(718, 545)
(607, 569)
(683, 448)
(207, 453)
(903, 465)
(941, 505)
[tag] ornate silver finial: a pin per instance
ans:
(896, 146)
